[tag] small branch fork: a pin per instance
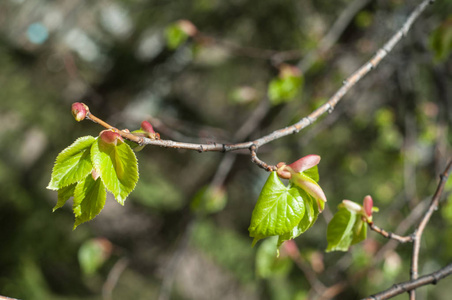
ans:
(415, 281)
(295, 128)
(411, 285)
(390, 235)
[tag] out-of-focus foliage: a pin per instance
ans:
(389, 138)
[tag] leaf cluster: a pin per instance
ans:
(87, 169)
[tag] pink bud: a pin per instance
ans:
(368, 203)
(282, 172)
(286, 70)
(79, 111)
(95, 174)
(146, 126)
(188, 27)
(110, 137)
(291, 249)
(304, 163)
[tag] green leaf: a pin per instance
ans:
(175, 36)
(312, 173)
(278, 210)
(92, 255)
(209, 200)
(63, 195)
(441, 40)
(284, 89)
(340, 230)
(117, 166)
(72, 164)
(268, 264)
(359, 231)
(308, 220)
(89, 199)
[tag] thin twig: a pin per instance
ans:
(113, 277)
(399, 288)
(295, 128)
(420, 229)
(260, 163)
(390, 235)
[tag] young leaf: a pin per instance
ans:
(175, 36)
(63, 195)
(340, 230)
(117, 166)
(72, 164)
(359, 231)
(278, 210)
(308, 220)
(284, 89)
(93, 253)
(89, 199)
(312, 173)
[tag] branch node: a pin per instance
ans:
(329, 108)
(201, 149)
(435, 279)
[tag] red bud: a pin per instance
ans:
(79, 111)
(368, 203)
(304, 163)
(110, 137)
(146, 126)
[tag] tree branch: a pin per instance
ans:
(390, 235)
(304, 122)
(413, 284)
(420, 229)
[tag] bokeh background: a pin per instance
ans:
(182, 233)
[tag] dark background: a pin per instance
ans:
(389, 137)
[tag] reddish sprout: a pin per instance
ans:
(368, 203)
(110, 137)
(79, 111)
(146, 126)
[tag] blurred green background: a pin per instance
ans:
(129, 62)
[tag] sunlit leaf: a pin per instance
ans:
(359, 231)
(278, 210)
(64, 194)
(312, 173)
(308, 220)
(72, 164)
(89, 199)
(117, 166)
(284, 89)
(340, 230)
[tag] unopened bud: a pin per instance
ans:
(368, 203)
(110, 137)
(188, 27)
(79, 111)
(304, 163)
(286, 70)
(95, 174)
(282, 172)
(146, 126)
(352, 206)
